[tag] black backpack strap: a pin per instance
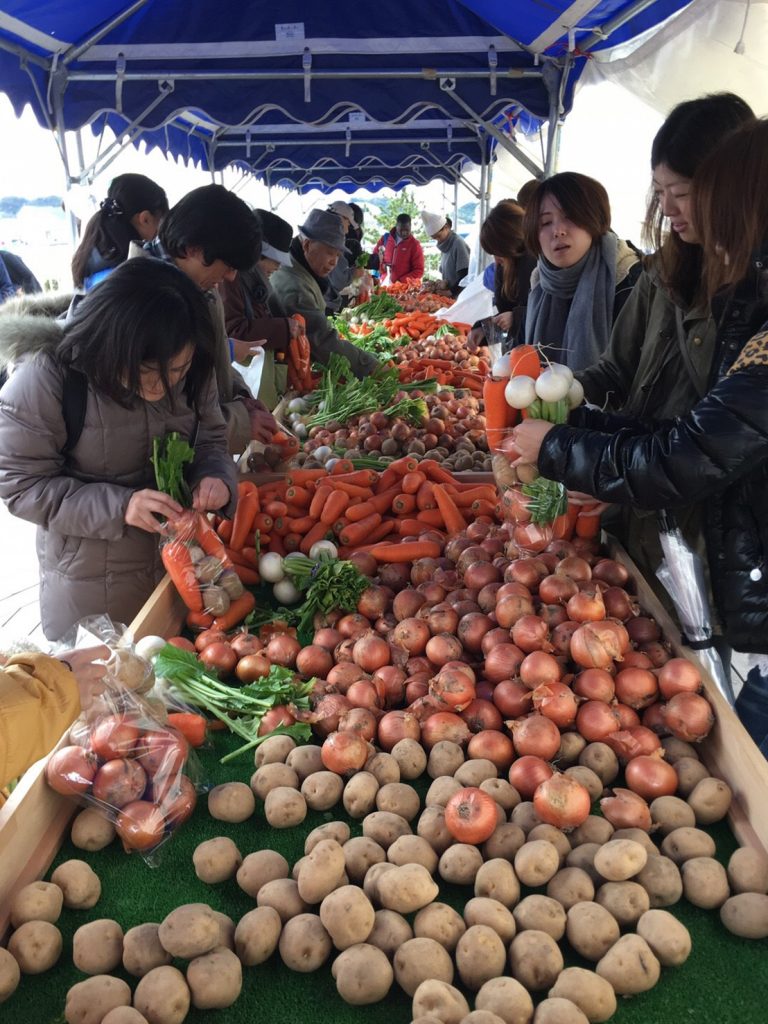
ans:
(74, 400)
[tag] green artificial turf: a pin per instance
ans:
(725, 980)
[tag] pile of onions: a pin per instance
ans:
(678, 675)
(599, 644)
(562, 801)
(626, 809)
(527, 773)
(688, 717)
(344, 752)
(650, 776)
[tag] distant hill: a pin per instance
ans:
(10, 205)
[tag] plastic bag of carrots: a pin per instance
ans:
(300, 360)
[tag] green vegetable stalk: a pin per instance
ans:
(169, 456)
(328, 584)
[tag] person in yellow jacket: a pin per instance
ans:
(40, 697)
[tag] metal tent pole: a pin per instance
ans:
(456, 203)
(503, 140)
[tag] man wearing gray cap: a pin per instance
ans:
(302, 287)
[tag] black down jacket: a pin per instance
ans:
(717, 455)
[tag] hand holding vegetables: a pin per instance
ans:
(145, 506)
(528, 437)
(210, 494)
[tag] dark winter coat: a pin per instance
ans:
(716, 455)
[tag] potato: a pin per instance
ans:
(505, 794)
(363, 974)
(593, 830)
(620, 859)
(440, 922)
(571, 746)
(91, 830)
(627, 901)
(460, 863)
(413, 850)
(407, 889)
(710, 800)
(216, 860)
(389, 932)
(283, 895)
(537, 862)
(685, 843)
(347, 915)
(372, 877)
(589, 779)
(124, 1015)
(38, 901)
(79, 883)
(36, 946)
(441, 791)
(593, 995)
(338, 830)
(431, 826)
(360, 794)
(524, 815)
(411, 758)
(670, 812)
(284, 807)
(439, 1000)
(215, 979)
(667, 937)
(552, 835)
(322, 790)
(507, 998)
(189, 931)
(602, 760)
(359, 854)
(674, 749)
(630, 966)
(542, 914)
(535, 960)
(745, 914)
(273, 750)
(259, 868)
(322, 871)
(690, 771)
(583, 858)
(705, 882)
(445, 758)
(257, 934)
(497, 880)
(89, 1001)
(383, 767)
(97, 947)
(505, 842)
(482, 1017)
(748, 870)
(163, 996)
(475, 771)
(418, 960)
(384, 828)
(231, 801)
(571, 886)
(480, 956)
(399, 798)
(591, 930)
(305, 760)
(637, 835)
(662, 881)
(558, 1011)
(10, 975)
(305, 944)
(482, 910)
(142, 950)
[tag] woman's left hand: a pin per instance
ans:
(528, 437)
(210, 494)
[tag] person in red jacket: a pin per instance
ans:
(403, 255)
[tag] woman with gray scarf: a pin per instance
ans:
(584, 272)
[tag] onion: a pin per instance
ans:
(594, 684)
(527, 773)
(657, 652)
(611, 572)
(619, 605)
(396, 726)
(353, 626)
(374, 602)
(327, 713)
(494, 746)
(407, 603)
(561, 637)
(364, 563)
(535, 735)
(71, 770)
(471, 630)
(493, 638)
(626, 809)
(557, 702)
(343, 652)
(395, 575)
(597, 645)
(361, 721)
(650, 776)
(531, 633)
(455, 688)
(688, 717)
(636, 659)
(455, 546)
(510, 609)
(595, 720)
(371, 652)
(443, 648)
(643, 630)
(363, 694)
(628, 717)
(411, 635)
(344, 752)
(629, 743)
(528, 571)
(480, 574)
(487, 597)
(653, 718)
(417, 687)
(556, 589)
(442, 618)
(445, 725)
(423, 570)
(512, 698)
(576, 568)
(392, 681)
(482, 715)
(344, 674)
(586, 606)
(552, 615)
(502, 662)
(314, 661)
(433, 592)
(678, 675)
(283, 650)
(327, 638)
(512, 589)
(562, 801)
(418, 664)
(636, 687)
(470, 555)
(540, 667)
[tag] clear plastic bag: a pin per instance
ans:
(199, 566)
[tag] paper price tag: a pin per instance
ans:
(290, 30)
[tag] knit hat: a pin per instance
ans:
(344, 210)
(433, 222)
(325, 226)
(276, 235)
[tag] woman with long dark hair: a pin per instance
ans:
(502, 237)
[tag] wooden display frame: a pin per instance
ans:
(34, 820)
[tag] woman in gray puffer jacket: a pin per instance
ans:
(140, 354)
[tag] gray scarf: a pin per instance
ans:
(570, 311)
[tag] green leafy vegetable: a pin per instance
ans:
(446, 329)
(548, 500)
(327, 583)
(169, 456)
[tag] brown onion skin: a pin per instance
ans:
(531, 633)
(442, 648)
(650, 776)
(480, 574)
(688, 716)
(626, 809)
(442, 618)
(282, 650)
(385, 624)
(594, 684)
(395, 575)
(353, 626)
(412, 635)
(359, 720)
(314, 661)
(636, 659)
(327, 637)
(562, 801)
(539, 667)
(407, 603)
(328, 712)
(629, 743)
(365, 562)
(619, 605)
(423, 570)
(678, 675)
(433, 592)
(484, 689)
(444, 726)
(528, 571)
(595, 720)
(552, 614)
(392, 680)
(637, 687)
(628, 717)
(470, 555)
(557, 702)
(493, 745)
(537, 736)
(598, 644)
(527, 773)
(493, 637)
(374, 602)
(343, 674)
(643, 630)
(561, 637)
(560, 548)
(415, 689)
(471, 630)
(396, 726)
(486, 599)
(502, 662)
(371, 652)
(576, 568)
(482, 715)
(510, 609)
(611, 572)
(513, 698)
(344, 752)
(657, 652)
(653, 718)
(363, 694)
(556, 589)
(586, 606)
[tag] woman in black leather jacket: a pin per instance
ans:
(718, 454)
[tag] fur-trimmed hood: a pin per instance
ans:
(29, 325)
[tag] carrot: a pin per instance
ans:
(482, 507)
(298, 495)
(353, 490)
(408, 526)
(405, 465)
(356, 533)
(199, 620)
(499, 415)
(207, 538)
(319, 499)
(452, 517)
(276, 544)
(588, 526)
(225, 530)
(238, 610)
(405, 552)
(190, 725)
(303, 476)
(281, 527)
(435, 472)
(424, 497)
(295, 512)
(247, 575)
(360, 477)
(403, 504)
(318, 532)
(334, 506)
(276, 508)
(179, 567)
(431, 517)
(263, 523)
(245, 515)
(251, 555)
(464, 499)
(292, 541)
(301, 525)
(238, 558)
(413, 481)
(378, 503)
(524, 361)
(342, 467)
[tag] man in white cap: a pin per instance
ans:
(454, 258)
(302, 287)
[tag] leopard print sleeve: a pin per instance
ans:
(754, 353)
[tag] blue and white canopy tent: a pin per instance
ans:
(336, 93)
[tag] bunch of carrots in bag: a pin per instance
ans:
(300, 360)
